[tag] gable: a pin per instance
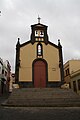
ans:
(28, 52)
(50, 43)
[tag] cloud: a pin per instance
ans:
(61, 16)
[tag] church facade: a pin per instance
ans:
(39, 62)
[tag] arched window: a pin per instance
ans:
(39, 49)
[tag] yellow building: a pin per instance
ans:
(39, 62)
(72, 74)
(75, 81)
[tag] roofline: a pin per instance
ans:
(53, 44)
(75, 73)
(39, 24)
(71, 60)
(26, 43)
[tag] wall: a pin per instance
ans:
(28, 54)
(74, 65)
(51, 55)
(75, 77)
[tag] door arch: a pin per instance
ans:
(40, 73)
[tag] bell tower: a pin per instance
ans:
(39, 33)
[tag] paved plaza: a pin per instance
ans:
(39, 113)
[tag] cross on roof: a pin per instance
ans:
(39, 19)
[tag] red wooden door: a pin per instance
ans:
(39, 74)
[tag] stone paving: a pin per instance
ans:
(38, 113)
(3, 98)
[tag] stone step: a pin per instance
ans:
(43, 97)
(58, 93)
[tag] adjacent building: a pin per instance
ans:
(5, 70)
(72, 74)
(1, 67)
(75, 81)
(39, 62)
(12, 82)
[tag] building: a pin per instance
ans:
(5, 70)
(8, 66)
(39, 62)
(13, 77)
(1, 66)
(75, 81)
(12, 82)
(72, 74)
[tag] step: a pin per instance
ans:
(43, 97)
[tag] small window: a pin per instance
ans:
(36, 33)
(39, 49)
(67, 72)
(79, 84)
(74, 86)
(41, 33)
